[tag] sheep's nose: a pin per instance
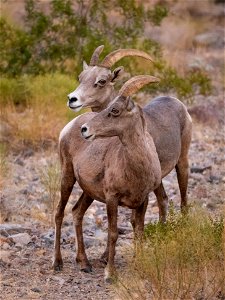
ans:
(73, 99)
(83, 129)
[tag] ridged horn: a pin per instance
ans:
(95, 55)
(136, 83)
(116, 55)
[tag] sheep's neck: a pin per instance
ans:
(106, 102)
(136, 150)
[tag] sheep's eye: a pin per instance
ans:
(115, 111)
(95, 85)
(102, 81)
(109, 114)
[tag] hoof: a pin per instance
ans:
(87, 269)
(110, 277)
(110, 280)
(58, 266)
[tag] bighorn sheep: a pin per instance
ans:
(167, 121)
(115, 162)
(167, 118)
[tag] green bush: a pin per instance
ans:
(27, 90)
(14, 90)
(182, 259)
(50, 39)
(59, 40)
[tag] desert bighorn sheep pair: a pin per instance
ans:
(110, 170)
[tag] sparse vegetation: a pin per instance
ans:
(50, 178)
(184, 86)
(3, 163)
(47, 42)
(182, 259)
(35, 108)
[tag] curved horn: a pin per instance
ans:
(116, 55)
(136, 83)
(95, 55)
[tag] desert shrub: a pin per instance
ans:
(58, 40)
(182, 259)
(184, 86)
(4, 168)
(37, 118)
(70, 31)
(50, 178)
(14, 90)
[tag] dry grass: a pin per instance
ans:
(34, 109)
(50, 178)
(4, 168)
(183, 259)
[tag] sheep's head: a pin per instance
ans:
(97, 80)
(121, 115)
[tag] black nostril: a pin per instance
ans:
(73, 99)
(83, 129)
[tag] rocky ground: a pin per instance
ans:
(26, 232)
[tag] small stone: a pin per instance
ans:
(28, 153)
(211, 39)
(36, 290)
(21, 239)
(90, 242)
(7, 229)
(101, 235)
(4, 256)
(60, 280)
(19, 162)
(5, 246)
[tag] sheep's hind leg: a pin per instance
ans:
(140, 220)
(182, 177)
(67, 183)
(162, 201)
(78, 211)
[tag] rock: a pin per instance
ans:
(19, 162)
(48, 237)
(214, 179)
(124, 230)
(5, 256)
(7, 229)
(200, 169)
(36, 290)
(197, 177)
(60, 280)
(101, 235)
(21, 239)
(28, 153)
(213, 39)
(198, 64)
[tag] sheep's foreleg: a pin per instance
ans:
(78, 211)
(112, 210)
(67, 183)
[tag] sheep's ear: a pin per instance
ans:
(130, 104)
(85, 65)
(116, 73)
